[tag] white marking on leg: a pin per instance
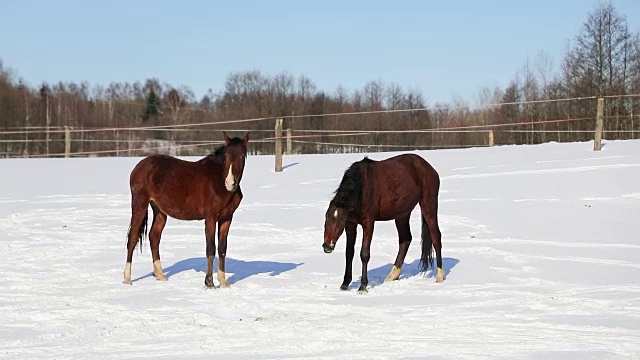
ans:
(127, 273)
(230, 180)
(394, 274)
(157, 270)
(222, 278)
(440, 275)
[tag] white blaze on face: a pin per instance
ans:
(229, 181)
(335, 214)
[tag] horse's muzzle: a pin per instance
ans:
(328, 248)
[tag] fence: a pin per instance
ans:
(382, 130)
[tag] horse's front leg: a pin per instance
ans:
(209, 230)
(223, 232)
(365, 255)
(351, 230)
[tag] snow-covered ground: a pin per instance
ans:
(541, 247)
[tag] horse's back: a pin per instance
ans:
(154, 170)
(181, 189)
(162, 163)
(398, 183)
(411, 165)
(422, 167)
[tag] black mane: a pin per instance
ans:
(222, 149)
(348, 195)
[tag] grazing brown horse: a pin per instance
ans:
(384, 190)
(207, 189)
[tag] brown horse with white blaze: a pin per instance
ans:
(208, 189)
(385, 190)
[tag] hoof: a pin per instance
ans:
(344, 286)
(439, 275)
(127, 282)
(362, 289)
(222, 278)
(208, 282)
(394, 274)
(160, 277)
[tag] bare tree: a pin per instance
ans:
(602, 59)
(601, 62)
(44, 94)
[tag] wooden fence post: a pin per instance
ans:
(289, 142)
(67, 141)
(597, 142)
(491, 141)
(278, 145)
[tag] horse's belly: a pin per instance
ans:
(182, 214)
(396, 209)
(180, 211)
(192, 208)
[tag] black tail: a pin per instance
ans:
(142, 231)
(426, 259)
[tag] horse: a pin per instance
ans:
(207, 189)
(385, 190)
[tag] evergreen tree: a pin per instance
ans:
(152, 106)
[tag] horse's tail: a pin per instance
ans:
(142, 231)
(426, 258)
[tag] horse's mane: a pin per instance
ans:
(348, 195)
(221, 150)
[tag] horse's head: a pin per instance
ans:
(334, 222)
(235, 154)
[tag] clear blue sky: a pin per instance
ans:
(444, 48)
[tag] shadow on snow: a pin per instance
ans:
(290, 165)
(240, 269)
(377, 275)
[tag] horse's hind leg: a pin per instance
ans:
(159, 221)
(430, 214)
(137, 227)
(404, 240)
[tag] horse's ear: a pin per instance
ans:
(227, 140)
(245, 140)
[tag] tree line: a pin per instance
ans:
(602, 60)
